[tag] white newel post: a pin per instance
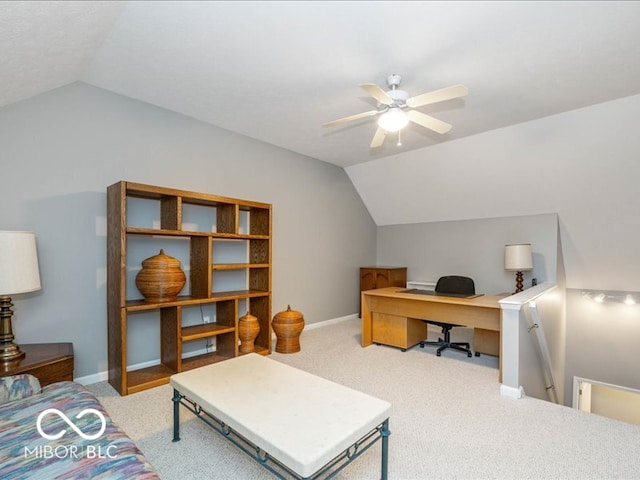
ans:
(510, 353)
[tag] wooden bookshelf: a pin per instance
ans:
(254, 232)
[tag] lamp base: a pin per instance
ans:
(9, 351)
(519, 282)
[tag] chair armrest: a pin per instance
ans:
(16, 387)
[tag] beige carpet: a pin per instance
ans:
(449, 421)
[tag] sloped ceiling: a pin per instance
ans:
(44, 45)
(276, 71)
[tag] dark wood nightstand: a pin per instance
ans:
(48, 362)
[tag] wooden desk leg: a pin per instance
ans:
(367, 322)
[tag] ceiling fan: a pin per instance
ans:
(394, 108)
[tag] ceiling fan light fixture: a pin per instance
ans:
(395, 109)
(393, 120)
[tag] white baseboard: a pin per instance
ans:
(511, 392)
(331, 321)
(104, 376)
(95, 378)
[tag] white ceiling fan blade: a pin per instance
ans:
(428, 122)
(376, 92)
(436, 96)
(350, 118)
(378, 138)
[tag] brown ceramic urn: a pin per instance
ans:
(288, 326)
(161, 278)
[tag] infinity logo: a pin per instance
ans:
(70, 423)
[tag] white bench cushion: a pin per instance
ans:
(300, 419)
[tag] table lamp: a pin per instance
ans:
(18, 274)
(518, 258)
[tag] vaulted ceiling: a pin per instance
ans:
(275, 71)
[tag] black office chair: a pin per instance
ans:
(456, 285)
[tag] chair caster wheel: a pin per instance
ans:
(469, 354)
(438, 354)
(403, 349)
(422, 345)
(477, 354)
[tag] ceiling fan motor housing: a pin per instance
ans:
(399, 98)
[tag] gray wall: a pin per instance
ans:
(61, 150)
(474, 248)
(550, 317)
(605, 341)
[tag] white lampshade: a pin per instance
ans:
(517, 257)
(18, 263)
(393, 120)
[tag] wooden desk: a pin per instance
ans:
(394, 318)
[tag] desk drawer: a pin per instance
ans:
(54, 372)
(486, 341)
(401, 332)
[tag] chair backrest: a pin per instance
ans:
(456, 284)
